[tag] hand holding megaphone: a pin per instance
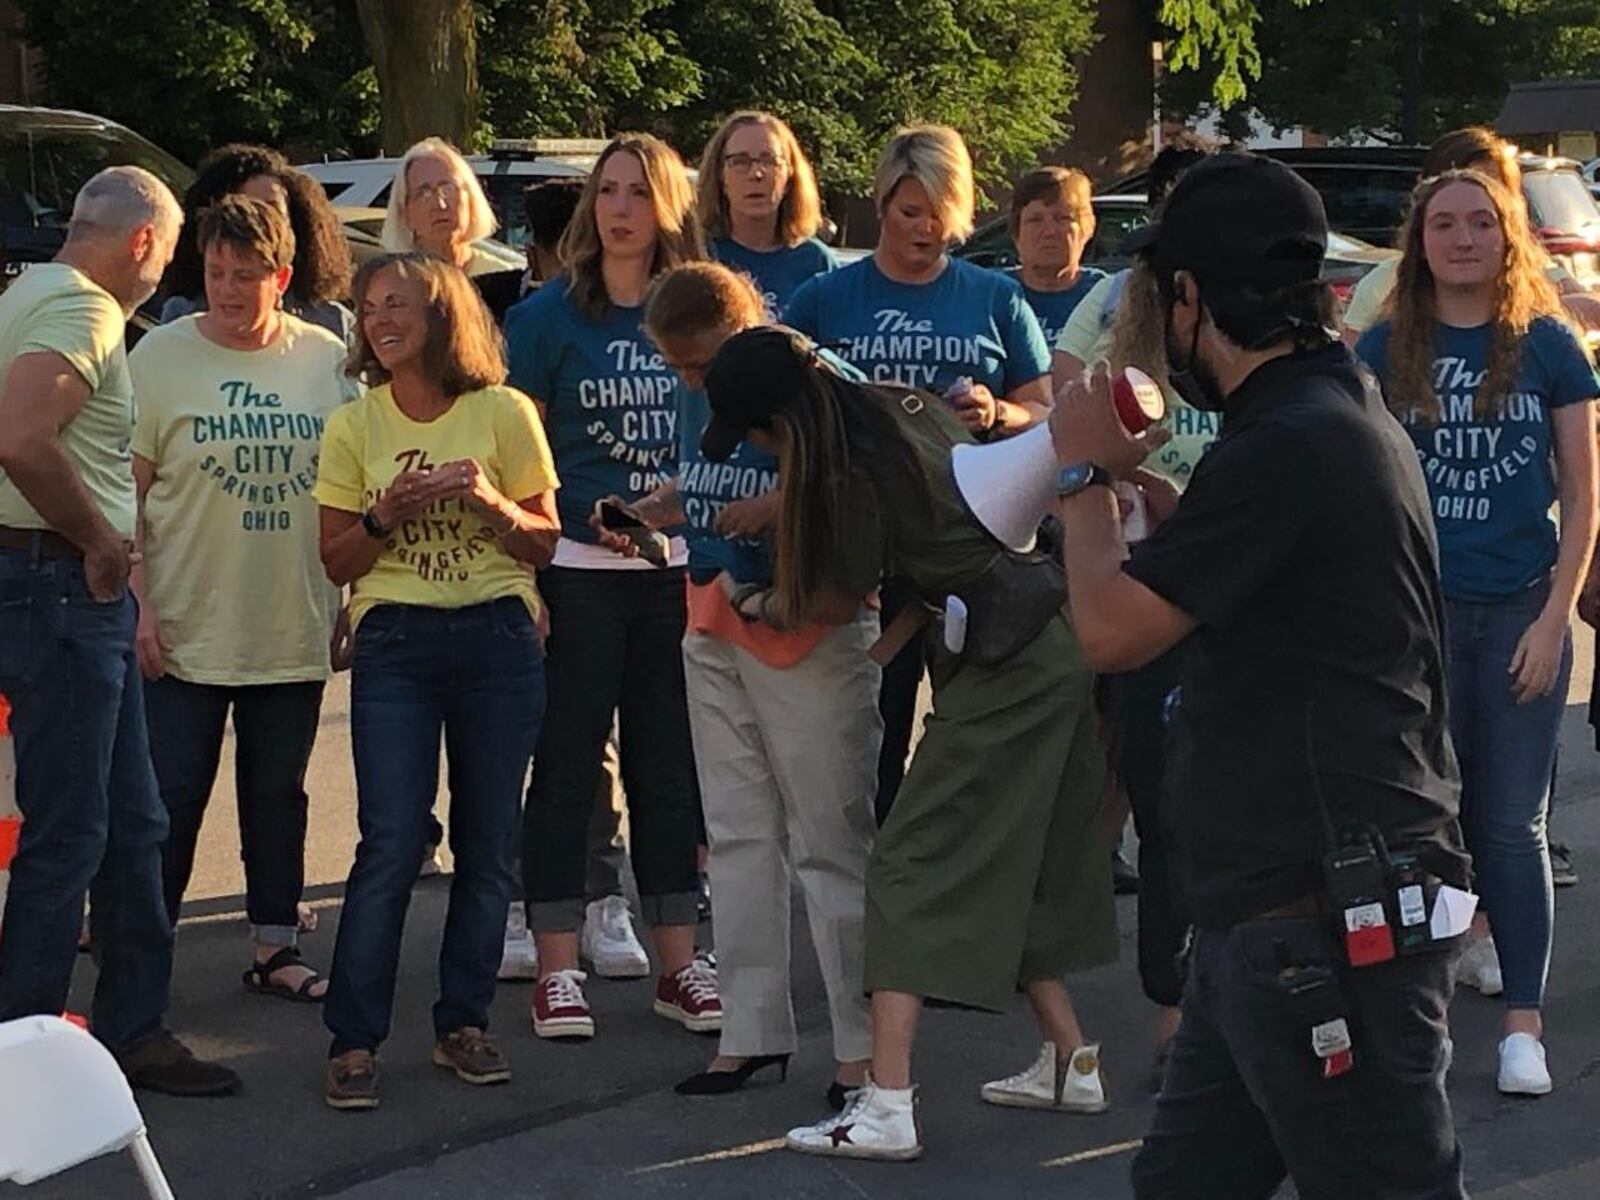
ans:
(1108, 421)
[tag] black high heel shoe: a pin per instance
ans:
(720, 1083)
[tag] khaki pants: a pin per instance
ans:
(788, 764)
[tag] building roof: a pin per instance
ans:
(1550, 107)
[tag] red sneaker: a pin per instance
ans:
(690, 997)
(559, 1009)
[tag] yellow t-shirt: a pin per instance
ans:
(232, 570)
(449, 557)
(56, 308)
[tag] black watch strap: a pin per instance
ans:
(374, 527)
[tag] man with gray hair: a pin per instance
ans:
(93, 819)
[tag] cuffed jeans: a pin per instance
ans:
(92, 816)
(1245, 1101)
(614, 651)
(788, 763)
(1507, 754)
(275, 726)
(476, 673)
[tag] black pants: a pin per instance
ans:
(615, 650)
(1245, 1102)
(897, 702)
(1139, 739)
(275, 726)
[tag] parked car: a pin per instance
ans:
(1118, 215)
(46, 155)
(1564, 214)
(505, 172)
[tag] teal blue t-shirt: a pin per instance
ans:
(610, 404)
(776, 272)
(970, 321)
(1053, 308)
(1491, 483)
(706, 488)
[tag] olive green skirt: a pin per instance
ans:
(993, 870)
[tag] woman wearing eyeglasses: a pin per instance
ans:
(759, 206)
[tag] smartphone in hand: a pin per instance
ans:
(653, 545)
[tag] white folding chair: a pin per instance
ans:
(63, 1101)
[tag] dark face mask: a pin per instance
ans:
(1194, 383)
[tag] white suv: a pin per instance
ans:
(509, 167)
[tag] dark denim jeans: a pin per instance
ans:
(615, 650)
(92, 817)
(1507, 753)
(275, 726)
(477, 674)
(1245, 1102)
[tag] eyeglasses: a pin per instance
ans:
(429, 192)
(743, 164)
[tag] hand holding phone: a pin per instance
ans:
(614, 517)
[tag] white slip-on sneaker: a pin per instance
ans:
(1522, 1066)
(1075, 1085)
(876, 1123)
(519, 956)
(609, 942)
(1479, 967)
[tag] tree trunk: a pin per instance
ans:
(425, 54)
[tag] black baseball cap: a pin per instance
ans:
(755, 375)
(1238, 219)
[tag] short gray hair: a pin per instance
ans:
(122, 199)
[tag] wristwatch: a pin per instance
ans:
(1078, 476)
(374, 528)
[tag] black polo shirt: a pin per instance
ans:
(1304, 548)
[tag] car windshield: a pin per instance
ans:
(1560, 200)
(44, 162)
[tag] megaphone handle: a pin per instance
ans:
(907, 624)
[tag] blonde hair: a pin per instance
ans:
(937, 158)
(1139, 329)
(397, 237)
(800, 211)
(463, 351)
(700, 298)
(678, 237)
(1523, 294)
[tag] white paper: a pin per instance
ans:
(1452, 912)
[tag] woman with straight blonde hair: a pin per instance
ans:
(1479, 365)
(437, 205)
(578, 346)
(437, 495)
(913, 314)
(759, 206)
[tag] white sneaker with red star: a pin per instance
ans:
(876, 1122)
(1073, 1085)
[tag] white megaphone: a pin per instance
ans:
(1009, 485)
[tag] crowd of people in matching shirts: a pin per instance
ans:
(520, 522)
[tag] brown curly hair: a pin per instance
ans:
(463, 352)
(1523, 293)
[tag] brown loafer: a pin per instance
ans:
(351, 1084)
(473, 1055)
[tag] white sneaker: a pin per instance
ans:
(1522, 1066)
(519, 956)
(874, 1123)
(1072, 1086)
(609, 942)
(1479, 967)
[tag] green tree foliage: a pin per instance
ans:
(189, 74)
(1336, 67)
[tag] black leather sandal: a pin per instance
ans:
(259, 977)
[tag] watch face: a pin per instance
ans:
(1073, 478)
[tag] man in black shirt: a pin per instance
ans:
(1301, 567)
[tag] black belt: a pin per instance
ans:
(46, 543)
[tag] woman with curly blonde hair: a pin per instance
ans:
(1477, 362)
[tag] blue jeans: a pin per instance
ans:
(92, 816)
(477, 673)
(1507, 752)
